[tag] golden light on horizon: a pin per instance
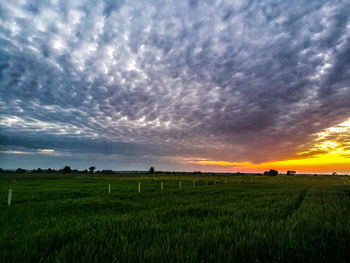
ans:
(330, 152)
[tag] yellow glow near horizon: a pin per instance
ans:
(222, 163)
(330, 152)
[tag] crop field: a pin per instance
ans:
(73, 218)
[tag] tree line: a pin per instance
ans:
(65, 170)
(68, 170)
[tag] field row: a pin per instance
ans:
(252, 219)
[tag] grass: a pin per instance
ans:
(71, 218)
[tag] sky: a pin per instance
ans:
(179, 85)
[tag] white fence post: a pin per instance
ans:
(225, 180)
(161, 185)
(9, 199)
(139, 188)
(109, 189)
(206, 183)
(180, 184)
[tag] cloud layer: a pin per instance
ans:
(242, 81)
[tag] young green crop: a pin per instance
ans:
(59, 218)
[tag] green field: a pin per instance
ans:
(72, 218)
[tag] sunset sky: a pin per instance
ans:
(179, 85)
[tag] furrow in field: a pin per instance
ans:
(297, 204)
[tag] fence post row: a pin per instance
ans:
(9, 199)
(138, 188)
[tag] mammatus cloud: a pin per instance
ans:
(238, 82)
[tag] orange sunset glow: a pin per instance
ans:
(330, 152)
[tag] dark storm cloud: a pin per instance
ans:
(248, 80)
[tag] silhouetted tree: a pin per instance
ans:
(108, 172)
(66, 170)
(271, 173)
(91, 169)
(37, 171)
(151, 170)
(21, 171)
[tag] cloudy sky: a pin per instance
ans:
(181, 85)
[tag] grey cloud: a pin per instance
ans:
(249, 80)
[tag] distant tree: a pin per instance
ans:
(66, 170)
(290, 173)
(52, 171)
(21, 171)
(271, 173)
(1, 170)
(91, 169)
(151, 170)
(85, 171)
(334, 174)
(108, 172)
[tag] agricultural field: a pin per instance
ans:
(73, 218)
